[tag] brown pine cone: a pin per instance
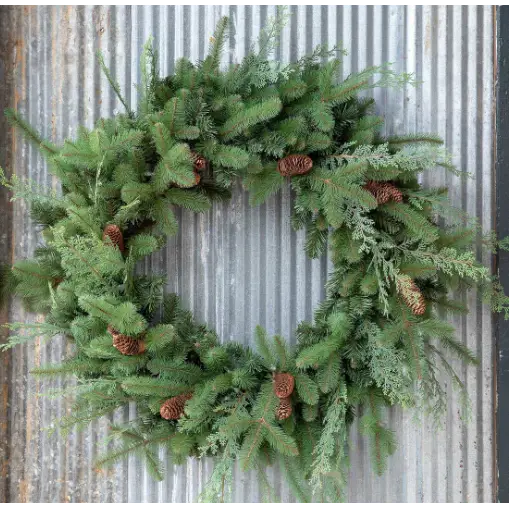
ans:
(114, 234)
(283, 384)
(284, 410)
(200, 163)
(411, 294)
(297, 164)
(126, 345)
(173, 408)
(384, 192)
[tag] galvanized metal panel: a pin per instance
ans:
(238, 266)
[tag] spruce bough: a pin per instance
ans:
(377, 340)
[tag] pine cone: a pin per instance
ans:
(297, 164)
(200, 163)
(173, 408)
(284, 410)
(411, 295)
(283, 384)
(114, 234)
(126, 345)
(384, 191)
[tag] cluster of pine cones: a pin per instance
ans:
(283, 384)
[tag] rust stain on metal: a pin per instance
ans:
(4, 424)
(11, 49)
(23, 491)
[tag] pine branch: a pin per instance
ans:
(217, 42)
(29, 132)
(256, 114)
(146, 386)
(114, 84)
(415, 138)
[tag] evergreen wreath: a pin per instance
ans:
(377, 340)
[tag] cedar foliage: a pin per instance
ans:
(365, 348)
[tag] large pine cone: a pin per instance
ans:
(412, 296)
(284, 410)
(126, 345)
(297, 164)
(114, 234)
(384, 192)
(173, 408)
(283, 384)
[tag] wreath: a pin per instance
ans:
(376, 341)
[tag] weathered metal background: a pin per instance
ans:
(237, 266)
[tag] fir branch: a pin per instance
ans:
(415, 138)
(114, 84)
(30, 133)
(217, 42)
(256, 114)
(42, 331)
(148, 64)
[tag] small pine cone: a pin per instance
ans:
(114, 234)
(173, 408)
(283, 384)
(297, 164)
(200, 163)
(411, 295)
(126, 345)
(284, 410)
(384, 191)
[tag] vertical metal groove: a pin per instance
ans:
(238, 266)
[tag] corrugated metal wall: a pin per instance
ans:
(237, 266)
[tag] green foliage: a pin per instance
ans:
(120, 315)
(175, 167)
(249, 117)
(29, 132)
(114, 84)
(263, 184)
(365, 349)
